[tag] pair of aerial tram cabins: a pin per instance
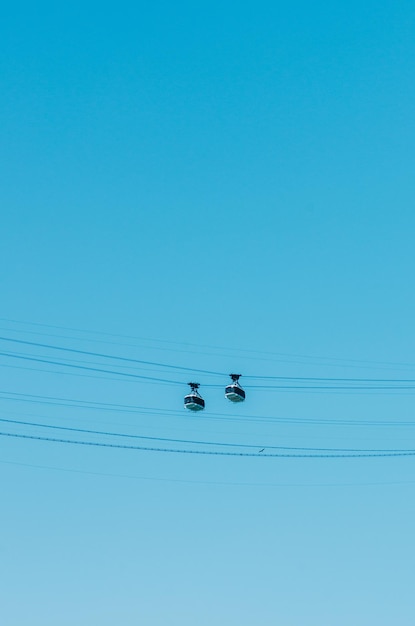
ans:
(233, 392)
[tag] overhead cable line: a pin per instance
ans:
(263, 455)
(206, 482)
(137, 410)
(194, 442)
(122, 374)
(362, 387)
(378, 387)
(76, 403)
(210, 347)
(109, 356)
(331, 379)
(308, 379)
(91, 369)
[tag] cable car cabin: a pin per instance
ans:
(194, 400)
(234, 391)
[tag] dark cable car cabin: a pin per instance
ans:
(234, 391)
(194, 400)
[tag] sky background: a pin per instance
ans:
(227, 187)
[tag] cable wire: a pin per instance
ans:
(403, 384)
(193, 442)
(88, 368)
(210, 452)
(135, 409)
(210, 347)
(109, 356)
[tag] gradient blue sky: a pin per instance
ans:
(230, 175)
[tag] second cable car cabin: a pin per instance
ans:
(234, 391)
(194, 401)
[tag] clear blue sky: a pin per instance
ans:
(235, 177)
